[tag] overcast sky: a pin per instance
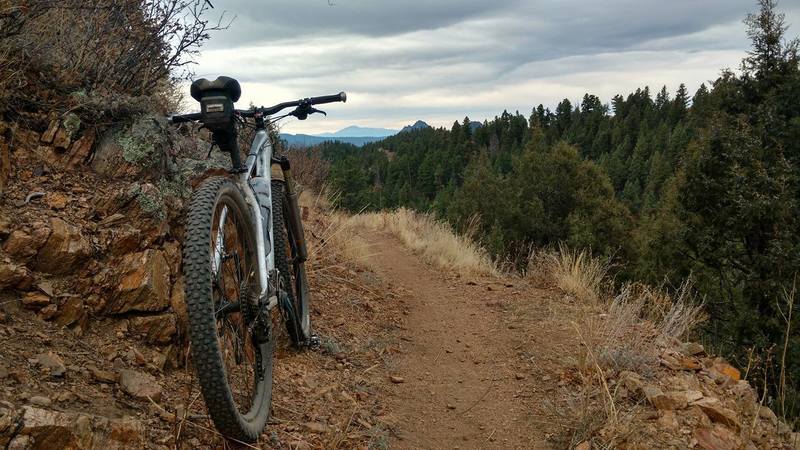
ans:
(441, 60)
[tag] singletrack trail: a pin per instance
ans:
(465, 377)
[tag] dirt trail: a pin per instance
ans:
(464, 383)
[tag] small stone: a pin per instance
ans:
(35, 300)
(585, 445)
(664, 401)
(397, 380)
(66, 396)
(692, 349)
(690, 364)
(316, 427)
(450, 406)
(630, 380)
(767, 414)
(40, 400)
(138, 357)
(48, 312)
(46, 287)
(102, 376)
(519, 376)
(668, 420)
(52, 362)
(50, 134)
(693, 396)
(56, 200)
(726, 370)
(140, 385)
(72, 312)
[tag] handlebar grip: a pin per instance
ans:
(340, 97)
(186, 118)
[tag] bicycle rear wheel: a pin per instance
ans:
(292, 271)
(232, 347)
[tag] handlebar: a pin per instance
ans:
(268, 111)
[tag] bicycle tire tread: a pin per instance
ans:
(206, 354)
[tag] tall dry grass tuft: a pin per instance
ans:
(578, 273)
(433, 240)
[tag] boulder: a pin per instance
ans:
(12, 275)
(65, 250)
(158, 329)
(144, 285)
(46, 429)
(141, 150)
(718, 413)
(19, 245)
(139, 385)
(717, 438)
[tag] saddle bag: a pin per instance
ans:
(216, 102)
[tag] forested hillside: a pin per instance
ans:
(669, 185)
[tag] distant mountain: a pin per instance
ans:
(356, 131)
(354, 134)
(417, 126)
(306, 140)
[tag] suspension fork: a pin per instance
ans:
(293, 213)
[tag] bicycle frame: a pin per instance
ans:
(259, 164)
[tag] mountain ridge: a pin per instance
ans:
(353, 134)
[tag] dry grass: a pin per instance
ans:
(578, 273)
(623, 331)
(434, 241)
(336, 242)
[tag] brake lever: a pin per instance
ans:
(303, 111)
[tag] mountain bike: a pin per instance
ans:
(243, 260)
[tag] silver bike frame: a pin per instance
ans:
(259, 164)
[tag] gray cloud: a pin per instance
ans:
(440, 60)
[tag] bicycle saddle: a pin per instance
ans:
(225, 85)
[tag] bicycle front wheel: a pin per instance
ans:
(231, 351)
